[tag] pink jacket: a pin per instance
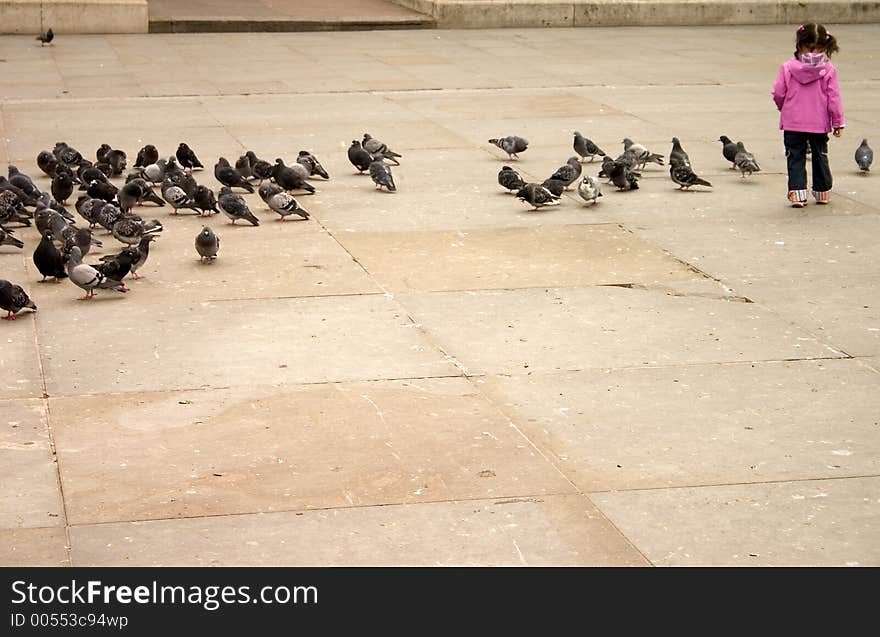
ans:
(808, 97)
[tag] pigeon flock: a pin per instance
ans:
(87, 186)
(625, 171)
(65, 242)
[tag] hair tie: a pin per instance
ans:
(828, 34)
(801, 28)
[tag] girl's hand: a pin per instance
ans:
(838, 132)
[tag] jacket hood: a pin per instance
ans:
(806, 73)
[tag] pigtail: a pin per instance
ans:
(828, 41)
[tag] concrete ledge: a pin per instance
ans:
(221, 25)
(554, 13)
(74, 16)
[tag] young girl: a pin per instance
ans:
(807, 95)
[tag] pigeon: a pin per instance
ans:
(6, 239)
(682, 174)
(229, 176)
(509, 179)
(101, 153)
(586, 148)
(244, 167)
(117, 160)
(117, 266)
(537, 195)
(260, 168)
(568, 173)
(555, 186)
(85, 206)
(623, 177)
(745, 161)
(67, 154)
(187, 157)
(88, 278)
(48, 258)
(48, 219)
(207, 244)
(380, 173)
(235, 207)
(677, 154)
(512, 144)
(130, 195)
(728, 149)
(62, 186)
(106, 214)
(589, 189)
(130, 230)
(607, 165)
(102, 190)
(46, 37)
(13, 299)
(267, 190)
(205, 200)
(291, 177)
(177, 197)
(22, 182)
(184, 180)
(83, 238)
(864, 156)
(87, 174)
(642, 154)
(47, 162)
(284, 204)
(146, 156)
(312, 164)
(155, 172)
(143, 251)
(359, 158)
(375, 147)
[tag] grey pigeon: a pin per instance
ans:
(677, 154)
(745, 161)
(267, 190)
(537, 195)
(864, 156)
(569, 172)
(509, 179)
(83, 238)
(285, 205)
(7, 239)
(205, 200)
(48, 259)
(62, 187)
(85, 206)
(155, 172)
(117, 266)
(728, 149)
(260, 168)
(46, 37)
(555, 186)
(207, 244)
(642, 154)
(244, 167)
(229, 176)
(312, 164)
(177, 197)
(143, 252)
(380, 173)
(359, 157)
(22, 182)
(13, 299)
(130, 230)
(607, 166)
(375, 147)
(235, 207)
(586, 148)
(67, 154)
(589, 189)
(102, 190)
(512, 144)
(146, 156)
(291, 177)
(88, 278)
(184, 180)
(106, 214)
(47, 162)
(682, 174)
(187, 157)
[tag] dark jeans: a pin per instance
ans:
(796, 155)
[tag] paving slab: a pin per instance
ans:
(18, 354)
(30, 496)
(547, 531)
(539, 330)
(815, 522)
(313, 446)
(223, 343)
(34, 547)
(568, 255)
(688, 425)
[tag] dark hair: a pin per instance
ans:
(813, 35)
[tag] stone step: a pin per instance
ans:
(480, 14)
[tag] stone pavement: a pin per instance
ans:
(439, 376)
